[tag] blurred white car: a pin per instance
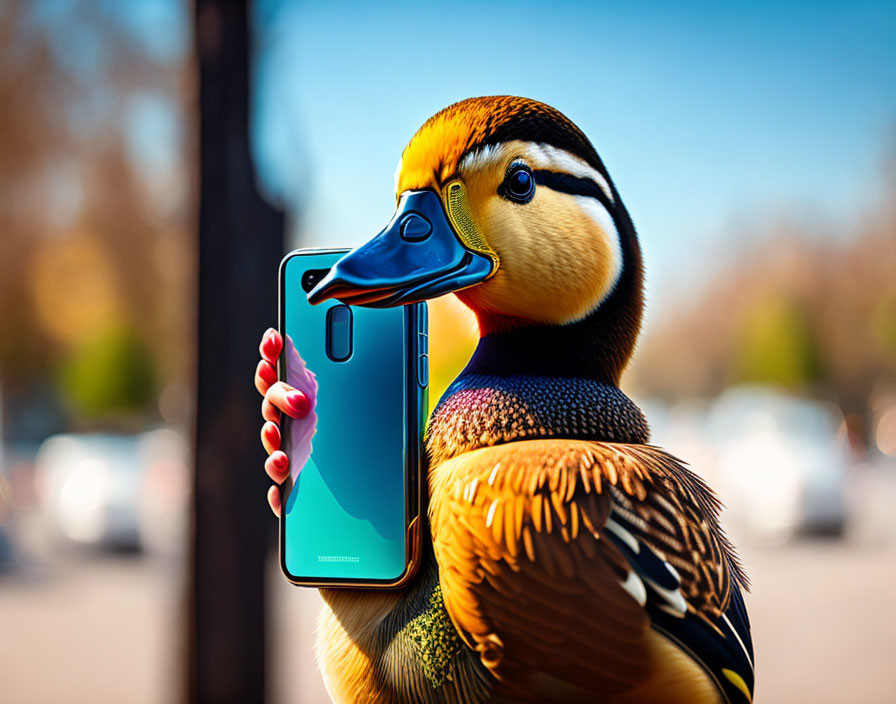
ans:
(783, 468)
(125, 492)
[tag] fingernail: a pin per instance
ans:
(280, 460)
(298, 404)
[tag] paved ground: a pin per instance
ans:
(822, 626)
(95, 631)
(105, 629)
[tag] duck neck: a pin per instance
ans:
(597, 347)
(529, 382)
(509, 348)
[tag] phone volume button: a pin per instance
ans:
(422, 317)
(423, 370)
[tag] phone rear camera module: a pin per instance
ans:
(312, 278)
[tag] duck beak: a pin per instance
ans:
(419, 255)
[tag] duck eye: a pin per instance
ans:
(519, 184)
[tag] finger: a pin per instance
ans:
(277, 466)
(271, 345)
(265, 375)
(269, 411)
(283, 397)
(270, 437)
(274, 500)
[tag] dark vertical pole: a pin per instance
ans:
(240, 244)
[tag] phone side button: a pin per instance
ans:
(423, 370)
(422, 317)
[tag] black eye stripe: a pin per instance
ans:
(573, 185)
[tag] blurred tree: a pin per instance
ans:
(453, 336)
(80, 174)
(108, 375)
(30, 139)
(883, 322)
(796, 307)
(776, 346)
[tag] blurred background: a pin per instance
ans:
(157, 158)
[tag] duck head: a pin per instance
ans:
(504, 202)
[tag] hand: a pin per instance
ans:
(279, 397)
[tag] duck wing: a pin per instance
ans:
(578, 567)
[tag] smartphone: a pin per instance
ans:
(351, 517)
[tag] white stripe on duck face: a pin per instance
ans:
(537, 156)
(545, 156)
(595, 210)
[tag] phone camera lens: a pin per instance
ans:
(312, 278)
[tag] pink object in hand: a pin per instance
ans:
(301, 430)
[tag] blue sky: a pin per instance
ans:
(714, 119)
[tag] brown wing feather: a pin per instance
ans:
(530, 578)
(678, 518)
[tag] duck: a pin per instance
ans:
(567, 559)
